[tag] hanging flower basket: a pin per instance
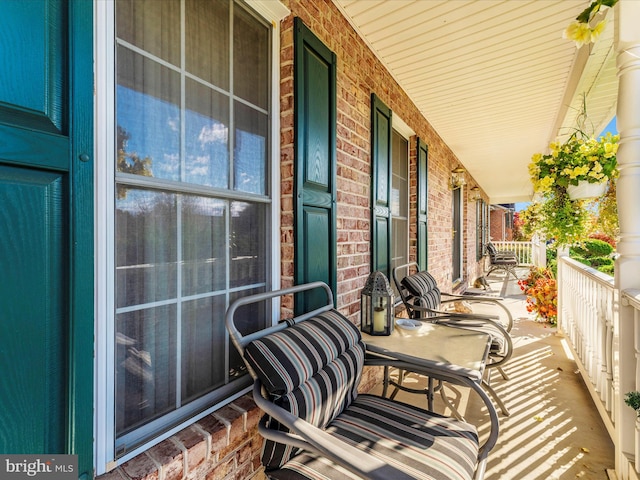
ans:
(586, 190)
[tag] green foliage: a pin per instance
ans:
(594, 253)
(608, 269)
(604, 237)
(598, 262)
(633, 400)
(562, 219)
(591, 248)
(607, 215)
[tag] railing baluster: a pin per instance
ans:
(586, 319)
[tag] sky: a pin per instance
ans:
(611, 127)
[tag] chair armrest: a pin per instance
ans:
(311, 438)
(497, 301)
(454, 375)
(439, 314)
(496, 328)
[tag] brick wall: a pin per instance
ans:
(222, 446)
(359, 74)
(497, 224)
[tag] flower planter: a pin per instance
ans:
(585, 189)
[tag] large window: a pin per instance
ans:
(192, 204)
(399, 200)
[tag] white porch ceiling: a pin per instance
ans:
(494, 78)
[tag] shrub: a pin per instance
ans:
(608, 269)
(597, 262)
(542, 294)
(604, 237)
(591, 248)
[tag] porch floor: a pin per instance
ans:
(554, 430)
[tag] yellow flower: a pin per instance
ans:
(544, 184)
(610, 149)
(597, 30)
(581, 33)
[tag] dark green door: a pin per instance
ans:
(315, 165)
(380, 186)
(46, 241)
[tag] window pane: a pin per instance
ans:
(204, 245)
(145, 365)
(250, 59)
(145, 246)
(203, 353)
(148, 116)
(248, 319)
(399, 200)
(152, 25)
(250, 150)
(207, 41)
(188, 139)
(206, 136)
(248, 259)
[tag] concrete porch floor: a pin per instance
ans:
(554, 430)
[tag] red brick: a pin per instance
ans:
(253, 415)
(196, 446)
(116, 474)
(141, 468)
(217, 430)
(170, 457)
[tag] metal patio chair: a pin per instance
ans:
(306, 372)
(505, 260)
(424, 301)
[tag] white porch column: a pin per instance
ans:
(627, 270)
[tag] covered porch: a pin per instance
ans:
(596, 346)
(554, 430)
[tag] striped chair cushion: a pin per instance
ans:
(420, 283)
(311, 369)
(424, 289)
(285, 360)
(425, 445)
(429, 300)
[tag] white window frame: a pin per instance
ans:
(401, 128)
(104, 220)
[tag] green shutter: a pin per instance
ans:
(422, 205)
(46, 229)
(380, 186)
(315, 165)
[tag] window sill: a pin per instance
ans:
(225, 441)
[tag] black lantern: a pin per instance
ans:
(376, 305)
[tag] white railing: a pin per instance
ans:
(528, 253)
(586, 300)
(631, 298)
(602, 328)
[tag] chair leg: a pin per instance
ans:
(498, 400)
(448, 403)
(503, 373)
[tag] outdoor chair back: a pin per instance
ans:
(505, 260)
(306, 373)
(423, 300)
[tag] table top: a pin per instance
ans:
(460, 347)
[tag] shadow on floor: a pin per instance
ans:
(554, 430)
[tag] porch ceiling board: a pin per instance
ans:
(494, 78)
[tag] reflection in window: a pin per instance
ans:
(187, 138)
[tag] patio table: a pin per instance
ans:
(430, 345)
